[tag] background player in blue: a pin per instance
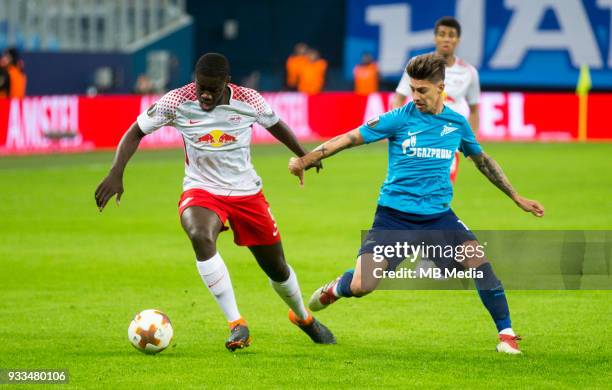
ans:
(423, 137)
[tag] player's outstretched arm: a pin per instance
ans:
(113, 182)
(491, 169)
(327, 149)
(282, 132)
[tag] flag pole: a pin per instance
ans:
(582, 90)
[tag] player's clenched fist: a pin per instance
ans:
(296, 165)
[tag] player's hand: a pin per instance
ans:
(111, 185)
(296, 167)
(531, 206)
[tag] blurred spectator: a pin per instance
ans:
(312, 77)
(103, 80)
(294, 65)
(14, 66)
(4, 81)
(144, 85)
(365, 76)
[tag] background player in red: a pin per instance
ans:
(215, 119)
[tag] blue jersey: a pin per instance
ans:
(421, 150)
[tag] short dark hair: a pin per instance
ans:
(429, 67)
(448, 21)
(14, 54)
(212, 65)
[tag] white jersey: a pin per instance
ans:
(217, 143)
(461, 86)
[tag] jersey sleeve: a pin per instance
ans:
(472, 95)
(380, 127)
(469, 145)
(159, 114)
(264, 114)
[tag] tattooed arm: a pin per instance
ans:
(327, 149)
(491, 169)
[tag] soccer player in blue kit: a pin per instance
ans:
(416, 195)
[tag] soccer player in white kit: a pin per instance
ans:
(215, 119)
(462, 87)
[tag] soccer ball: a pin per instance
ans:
(150, 331)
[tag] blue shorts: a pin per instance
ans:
(391, 226)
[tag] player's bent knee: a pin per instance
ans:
(197, 234)
(204, 244)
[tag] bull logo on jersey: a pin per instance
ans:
(217, 138)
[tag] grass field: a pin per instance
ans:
(71, 279)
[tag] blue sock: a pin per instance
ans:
(344, 285)
(493, 296)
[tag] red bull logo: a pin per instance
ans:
(217, 138)
(207, 138)
(226, 138)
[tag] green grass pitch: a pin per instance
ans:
(71, 279)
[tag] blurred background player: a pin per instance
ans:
(144, 85)
(215, 119)
(422, 136)
(365, 76)
(462, 87)
(294, 65)
(311, 79)
(15, 68)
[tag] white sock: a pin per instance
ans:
(335, 290)
(289, 291)
(216, 277)
(507, 331)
